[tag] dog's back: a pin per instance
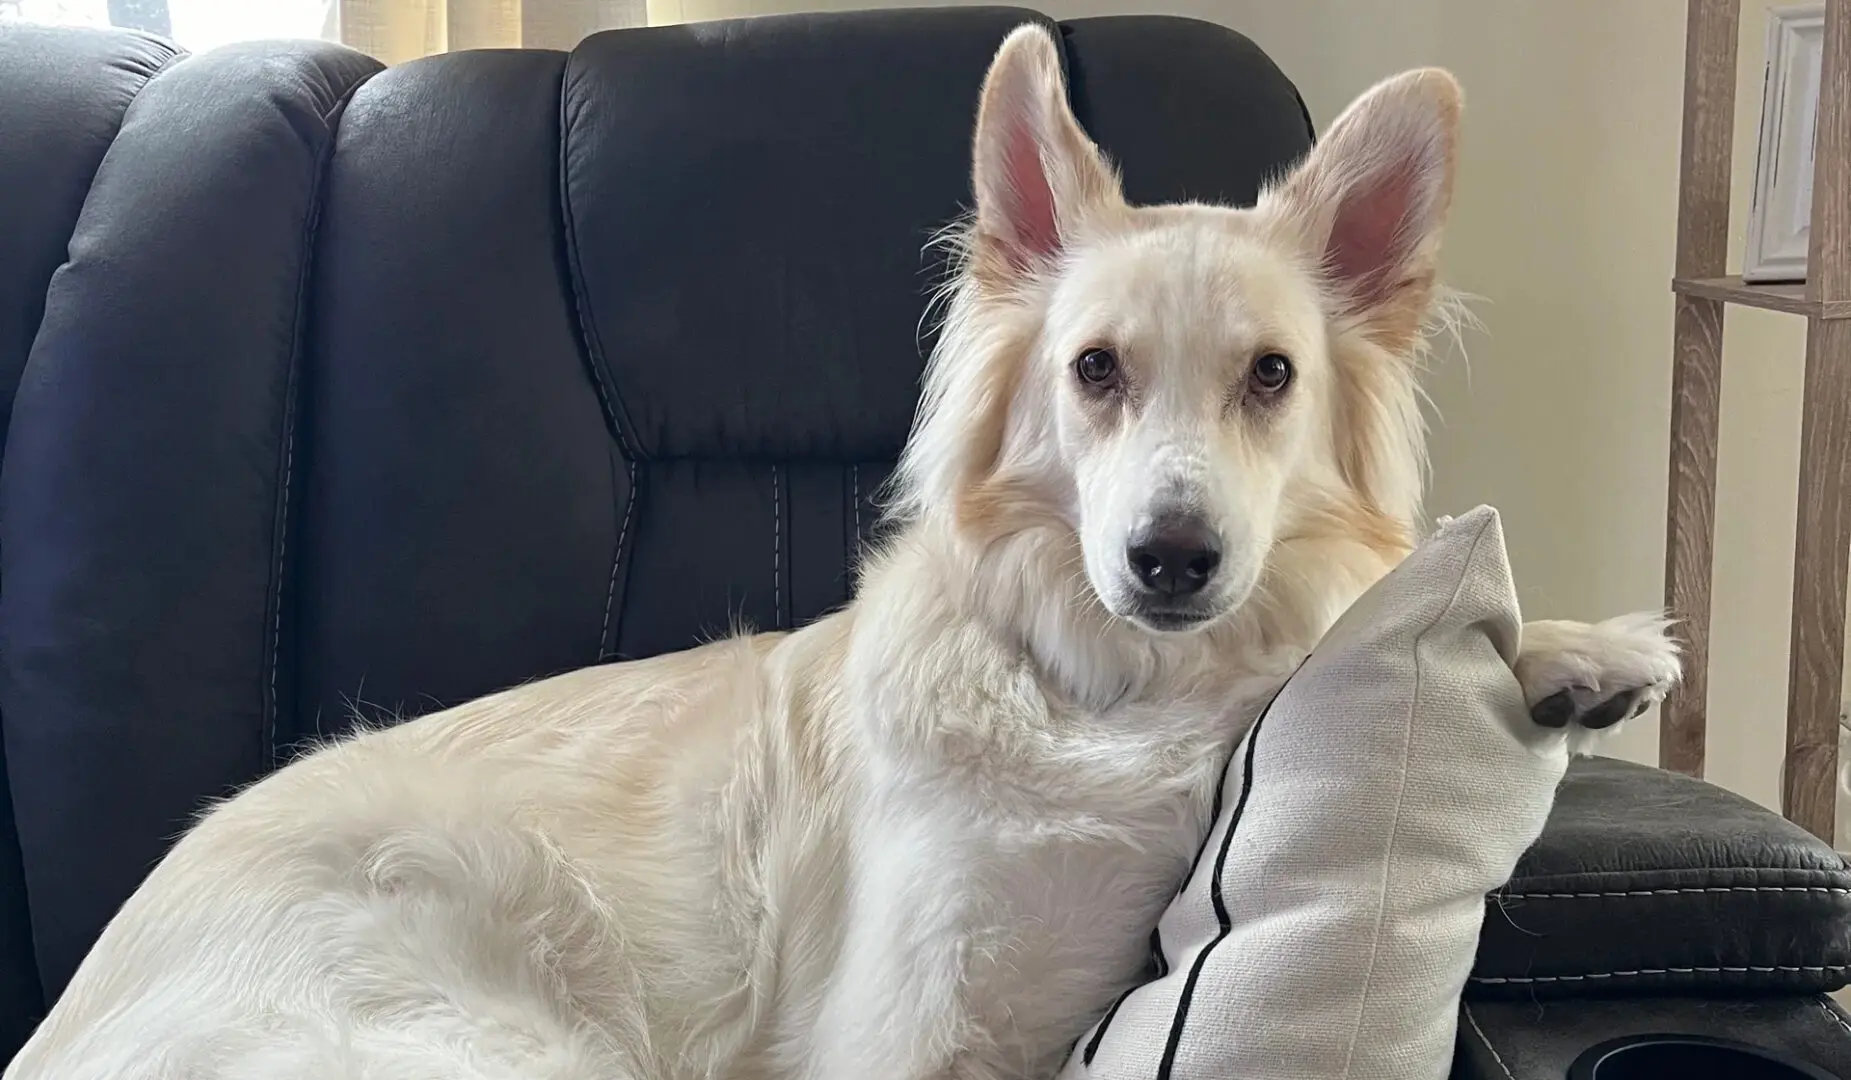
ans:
(544, 883)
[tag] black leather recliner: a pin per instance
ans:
(330, 389)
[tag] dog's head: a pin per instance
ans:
(1178, 387)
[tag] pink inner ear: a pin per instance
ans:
(1030, 215)
(1371, 236)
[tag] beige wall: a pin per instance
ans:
(1565, 225)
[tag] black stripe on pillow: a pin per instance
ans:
(1161, 960)
(1168, 1063)
(1105, 1024)
(1221, 786)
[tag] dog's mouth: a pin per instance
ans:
(1172, 622)
(1180, 616)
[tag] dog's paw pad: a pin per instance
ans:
(1594, 676)
(1584, 707)
(1554, 711)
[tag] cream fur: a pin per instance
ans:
(922, 838)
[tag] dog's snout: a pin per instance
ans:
(1176, 556)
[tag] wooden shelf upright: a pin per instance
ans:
(1822, 545)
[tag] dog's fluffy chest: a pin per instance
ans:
(1008, 880)
(1070, 931)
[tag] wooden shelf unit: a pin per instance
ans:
(1822, 542)
(1789, 298)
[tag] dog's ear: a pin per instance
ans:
(1034, 172)
(1371, 200)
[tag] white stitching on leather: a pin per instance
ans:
(1514, 979)
(1495, 1056)
(1834, 1014)
(292, 390)
(610, 591)
(282, 549)
(854, 478)
(1674, 892)
(777, 553)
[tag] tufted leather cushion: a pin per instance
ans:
(459, 494)
(141, 492)
(62, 98)
(1650, 882)
(377, 391)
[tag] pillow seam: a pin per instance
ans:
(1375, 943)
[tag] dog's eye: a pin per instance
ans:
(1097, 366)
(1271, 372)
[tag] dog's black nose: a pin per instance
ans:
(1176, 556)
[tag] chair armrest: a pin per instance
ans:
(1650, 882)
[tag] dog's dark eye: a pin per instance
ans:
(1097, 366)
(1271, 372)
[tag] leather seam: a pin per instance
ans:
(1480, 1032)
(1837, 889)
(777, 552)
(311, 227)
(610, 591)
(1508, 980)
(1833, 1014)
(282, 551)
(851, 558)
(602, 380)
(168, 61)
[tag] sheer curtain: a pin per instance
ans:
(391, 30)
(395, 30)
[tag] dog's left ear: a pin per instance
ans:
(1035, 174)
(1371, 200)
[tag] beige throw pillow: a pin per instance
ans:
(1329, 925)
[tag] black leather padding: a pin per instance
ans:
(460, 496)
(142, 495)
(750, 298)
(756, 292)
(1529, 1040)
(1238, 89)
(63, 93)
(1650, 882)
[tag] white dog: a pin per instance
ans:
(1160, 450)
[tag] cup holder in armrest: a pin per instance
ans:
(1677, 1057)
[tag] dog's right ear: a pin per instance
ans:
(1034, 172)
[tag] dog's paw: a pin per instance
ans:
(1589, 677)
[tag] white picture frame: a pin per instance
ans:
(1780, 216)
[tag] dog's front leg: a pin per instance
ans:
(896, 1006)
(1588, 677)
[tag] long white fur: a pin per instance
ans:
(924, 837)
